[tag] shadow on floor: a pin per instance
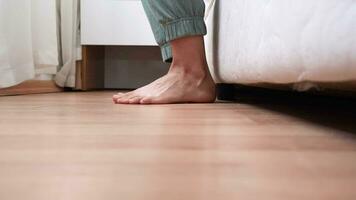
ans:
(337, 112)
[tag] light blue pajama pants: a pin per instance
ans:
(173, 19)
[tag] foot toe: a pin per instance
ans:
(125, 97)
(118, 95)
(146, 100)
(135, 100)
(124, 100)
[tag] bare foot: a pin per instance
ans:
(188, 79)
(178, 86)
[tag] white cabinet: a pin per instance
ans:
(115, 22)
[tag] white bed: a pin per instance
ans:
(282, 41)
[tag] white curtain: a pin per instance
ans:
(69, 34)
(38, 37)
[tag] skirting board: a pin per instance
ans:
(31, 87)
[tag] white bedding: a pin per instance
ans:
(282, 41)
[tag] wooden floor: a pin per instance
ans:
(80, 146)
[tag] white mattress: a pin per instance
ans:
(282, 41)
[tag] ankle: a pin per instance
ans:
(196, 71)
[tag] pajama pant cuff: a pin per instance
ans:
(180, 28)
(166, 52)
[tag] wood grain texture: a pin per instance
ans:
(80, 146)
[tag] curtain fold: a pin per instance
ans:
(16, 61)
(27, 40)
(44, 36)
(68, 21)
(39, 37)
